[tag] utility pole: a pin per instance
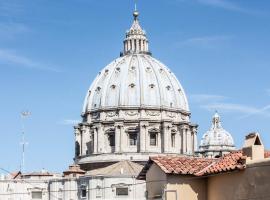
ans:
(24, 115)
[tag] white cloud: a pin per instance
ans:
(238, 108)
(10, 30)
(72, 122)
(206, 41)
(206, 98)
(11, 58)
(218, 102)
(228, 5)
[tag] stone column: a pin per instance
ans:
(78, 139)
(189, 142)
(137, 45)
(194, 131)
(95, 140)
(143, 136)
(178, 140)
(184, 139)
(100, 139)
(118, 133)
(133, 44)
(166, 136)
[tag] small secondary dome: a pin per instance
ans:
(217, 140)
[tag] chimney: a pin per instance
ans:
(253, 147)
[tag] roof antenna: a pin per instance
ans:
(24, 115)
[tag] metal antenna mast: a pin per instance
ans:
(24, 115)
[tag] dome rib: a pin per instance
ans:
(161, 93)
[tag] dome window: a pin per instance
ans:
(132, 85)
(98, 89)
(132, 69)
(113, 86)
(152, 85)
(118, 69)
(148, 69)
(168, 87)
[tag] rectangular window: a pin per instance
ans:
(153, 139)
(98, 192)
(112, 140)
(133, 139)
(37, 195)
(173, 139)
(122, 191)
(83, 191)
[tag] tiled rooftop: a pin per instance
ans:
(181, 165)
(196, 166)
(230, 162)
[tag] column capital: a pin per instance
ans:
(144, 124)
(118, 124)
(184, 126)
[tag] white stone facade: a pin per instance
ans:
(99, 187)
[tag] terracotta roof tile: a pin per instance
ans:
(181, 165)
(196, 166)
(232, 161)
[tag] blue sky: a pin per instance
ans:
(50, 52)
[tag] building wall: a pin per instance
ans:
(174, 187)
(108, 185)
(22, 190)
(100, 187)
(184, 187)
(156, 182)
(252, 183)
